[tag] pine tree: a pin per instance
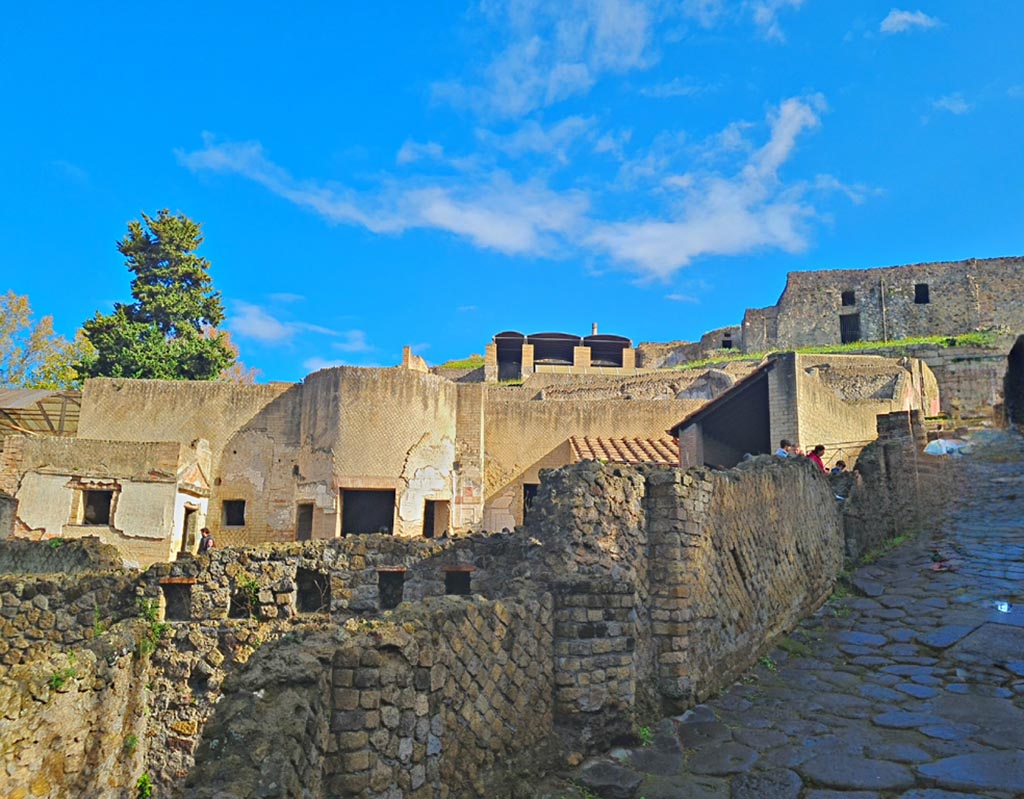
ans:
(170, 331)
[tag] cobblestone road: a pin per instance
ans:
(913, 688)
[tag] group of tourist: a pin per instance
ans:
(787, 449)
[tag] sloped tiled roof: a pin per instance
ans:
(625, 450)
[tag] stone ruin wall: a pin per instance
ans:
(628, 594)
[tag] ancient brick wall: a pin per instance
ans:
(736, 558)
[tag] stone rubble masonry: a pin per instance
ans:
(73, 723)
(8, 514)
(896, 488)
(628, 592)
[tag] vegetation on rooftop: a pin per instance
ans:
(472, 362)
(976, 338)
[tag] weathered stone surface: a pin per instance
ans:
(856, 773)
(773, 784)
(992, 771)
(716, 761)
(609, 780)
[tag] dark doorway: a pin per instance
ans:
(509, 352)
(529, 496)
(304, 521)
(1013, 383)
(312, 591)
(457, 583)
(849, 328)
(390, 587)
(436, 515)
(188, 530)
(177, 602)
(364, 511)
(921, 294)
(96, 507)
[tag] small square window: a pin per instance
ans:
(726, 343)
(849, 298)
(921, 294)
(233, 512)
(457, 583)
(96, 506)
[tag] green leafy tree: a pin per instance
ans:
(31, 354)
(170, 331)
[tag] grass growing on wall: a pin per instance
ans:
(976, 338)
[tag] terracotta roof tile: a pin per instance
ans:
(662, 451)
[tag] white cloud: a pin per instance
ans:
(706, 12)
(255, 322)
(898, 21)
(720, 196)
(466, 308)
(316, 363)
(725, 215)
(555, 51)
(71, 171)
(492, 211)
(766, 13)
(682, 298)
(286, 297)
(953, 103)
(533, 137)
(412, 151)
(352, 341)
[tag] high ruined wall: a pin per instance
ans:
(839, 397)
(961, 296)
(630, 592)
(737, 557)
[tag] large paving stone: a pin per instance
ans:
(904, 720)
(898, 752)
(685, 787)
(851, 773)
(719, 761)
(997, 642)
(993, 771)
(774, 784)
(701, 733)
(936, 793)
(861, 638)
(945, 636)
(610, 781)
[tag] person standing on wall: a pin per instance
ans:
(785, 449)
(815, 455)
(205, 541)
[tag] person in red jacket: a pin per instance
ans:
(815, 455)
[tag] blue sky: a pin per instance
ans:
(376, 175)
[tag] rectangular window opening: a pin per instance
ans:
(457, 583)
(849, 328)
(233, 514)
(726, 343)
(849, 298)
(313, 591)
(304, 521)
(178, 602)
(921, 294)
(96, 506)
(390, 587)
(367, 511)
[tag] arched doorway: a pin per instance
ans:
(1013, 383)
